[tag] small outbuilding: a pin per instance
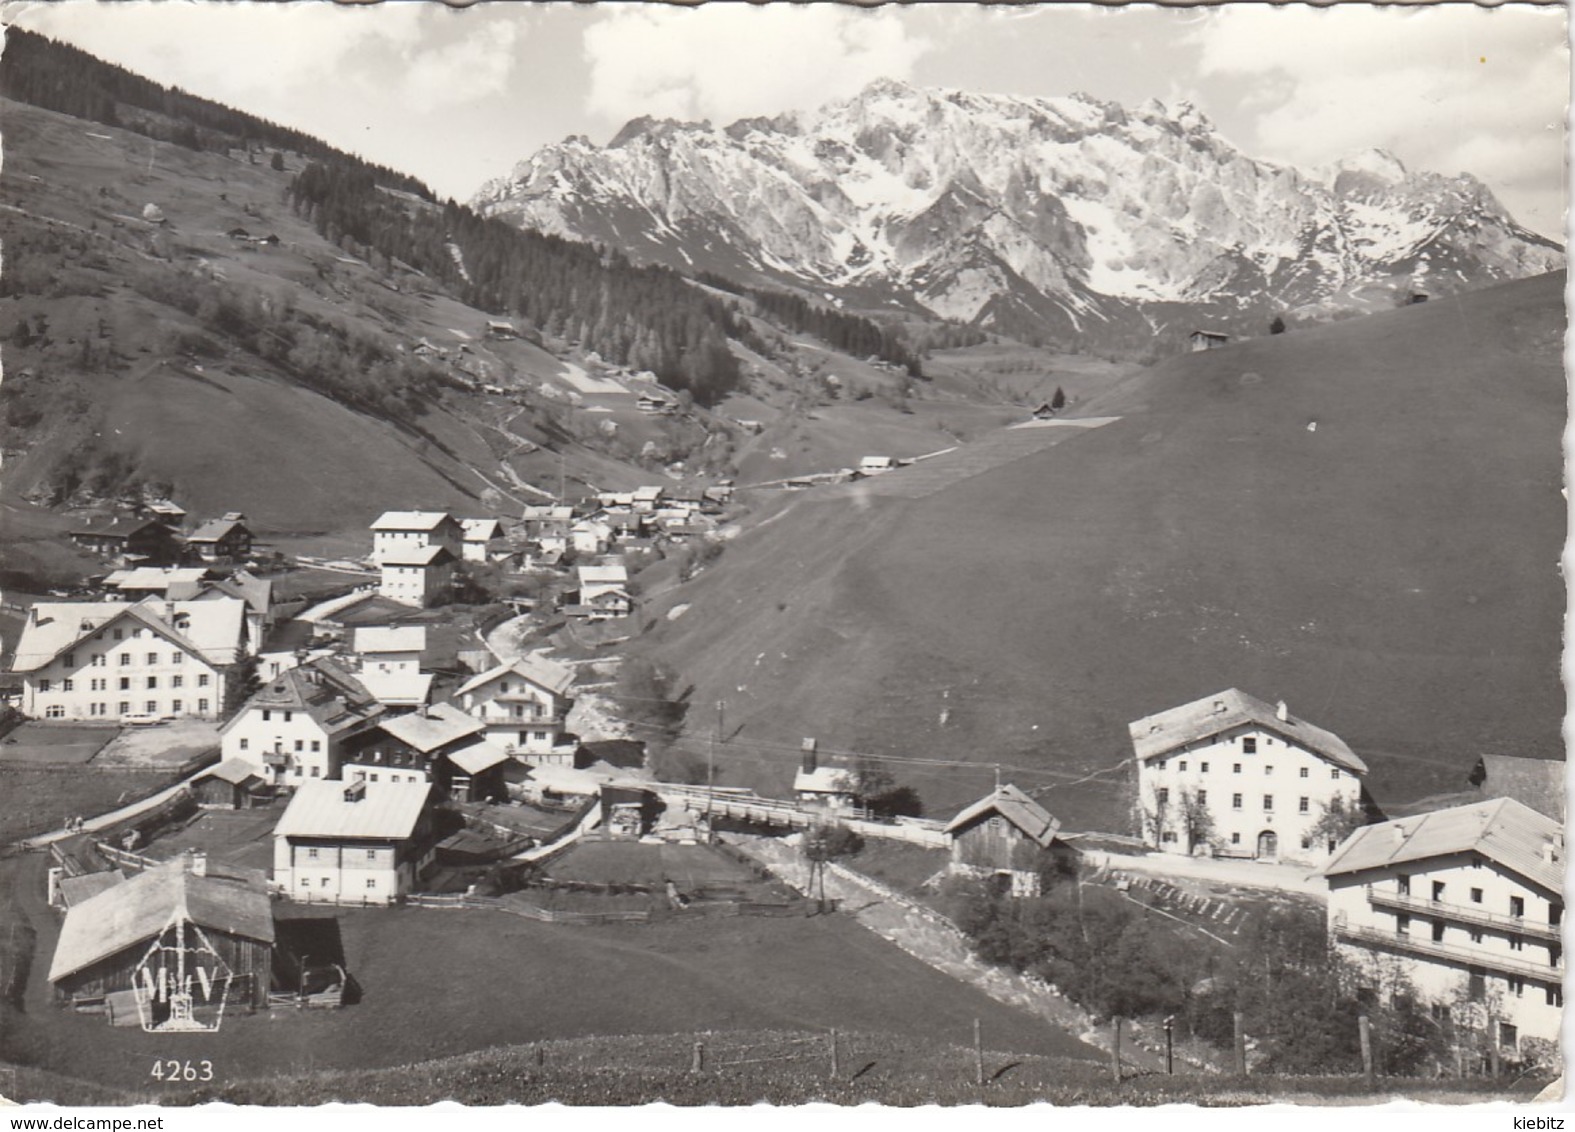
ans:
(1207, 340)
(1006, 836)
(233, 784)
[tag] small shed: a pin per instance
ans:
(232, 785)
(1005, 835)
(628, 811)
(1207, 340)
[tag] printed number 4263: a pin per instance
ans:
(173, 1070)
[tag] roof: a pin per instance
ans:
(1016, 807)
(212, 630)
(433, 728)
(334, 699)
(386, 810)
(481, 530)
(153, 577)
(478, 756)
(1502, 830)
(567, 780)
(411, 520)
(78, 889)
(391, 638)
(875, 462)
(256, 592)
(544, 511)
(555, 678)
(603, 575)
(403, 689)
(234, 771)
(214, 530)
(648, 493)
(1163, 732)
(417, 556)
(1208, 334)
(233, 901)
(1538, 783)
(826, 780)
(119, 527)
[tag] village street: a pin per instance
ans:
(1299, 880)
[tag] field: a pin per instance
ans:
(239, 837)
(43, 744)
(34, 801)
(628, 862)
(446, 982)
(166, 745)
(1334, 516)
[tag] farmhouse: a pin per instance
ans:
(234, 784)
(414, 530)
(155, 581)
(590, 536)
(831, 788)
(1230, 774)
(477, 533)
(412, 747)
(499, 329)
(105, 660)
(294, 728)
(653, 403)
(221, 540)
(353, 843)
(169, 513)
(419, 576)
(646, 499)
(182, 938)
(391, 664)
(523, 705)
(875, 465)
(128, 540)
(1006, 836)
(1207, 340)
(1468, 901)
(1538, 783)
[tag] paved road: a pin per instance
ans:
(1299, 879)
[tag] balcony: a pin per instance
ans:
(1463, 914)
(1495, 961)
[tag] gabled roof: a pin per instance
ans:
(1027, 815)
(335, 700)
(603, 575)
(825, 780)
(544, 512)
(478, 756)
(555, 678)
(1163, 732)
(481, 530)
(650, 493)
(215, 529)
(386, 810)
(79, 889)
(234, 771)
(433, 728)
(411, 520)
(399, 689)
(155, 578)
(417, 556)
(233, 901)
(118, 527)
(213, 631)
(1197, 333)
(391, 638)
(256, 592)
(1502, 830)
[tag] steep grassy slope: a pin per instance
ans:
(1364, 519)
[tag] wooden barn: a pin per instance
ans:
(1207, 340)
(1006, 835)
(181, 941)
(232, 785)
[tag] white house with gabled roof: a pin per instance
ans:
(1468, 903)
(406, 531)
(417, 575)
(524, 704)
(390, 664)
(476, 534)
(1235, 776)
(353, 842)
(294, 727)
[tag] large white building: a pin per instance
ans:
(352, 842)
(406, 531)
(523, 704)
(1468, 903)
(104, 660)
(1232, 775)
(391, 664)
(418, 575)
(293, 728)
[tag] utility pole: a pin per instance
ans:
(710, 763)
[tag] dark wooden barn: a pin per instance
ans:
(185, 934)
(232, 785)
(1010, 836)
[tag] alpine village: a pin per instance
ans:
(468, 651)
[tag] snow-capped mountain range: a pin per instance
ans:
(1058, 218)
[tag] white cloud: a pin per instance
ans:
(1452, 88)
(729, 61)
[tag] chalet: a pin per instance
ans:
(1537, 783)
(653, 403)
(353, 843)
(590, 536)
(220, 540)
(391, 664)
(128, 540)
(1043, 411)
(176, 583)
(875, 465)
(831, 788)
(1231, 775)
(499, 329)
(234, 784)
(104, 660)
(1200, 340)
(646, 499)
(476, 534)
(173, 944)
(243, 586)
(476, 772)
(414, 530)
(547, 527)
(293, 729)
(522, 705)
(420, 576)
(412, 747)
(1468, 902)
(1006, 836)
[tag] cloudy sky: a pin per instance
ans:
(459, 95)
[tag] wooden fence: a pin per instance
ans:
(527, 910)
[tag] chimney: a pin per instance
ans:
(356, 791)
(1281, 712)
(1398, 833)
(1219, 707)
(807, 749)
(199, 863)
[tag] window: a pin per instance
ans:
(177, 658)
(1168, 836)
(97, 660)
(1235, 768)
(1203, 797)
(267, 715)
(118, 634)
(1516, 987)
(1403, 884)
(391, 778)
(1268, 802)
(1517, 907)
(153, 682)
(71, 660)
(136, 632)
(300, 745)
(1508, 1036)
(311, 853)
(43, 685)
(125, 683)
(325, 882)
(1476, 935)
(1555, 913)
(1438, 890)
(371, 854)
(1183, 764)
(371, 882)
(153, 707)
(1235, 839)
(317, 745)
(177, 681)
(287, 716)
(202, 680)
(202, 706)
(1476, 896)
(55, 711)
(1162, 795)
(317, 772)
(1438, 931)
(1268, 770)
(1302, 773)
(1402, 924)
(306, 882)
(1555, 995)
(125, 707)
(246, 744)
(1235, 801)
(1204, 767)
(1516, 943)
(153, 658)
(1334, 772)
(125, 659)
(1303, 805)
(1306, 843)
(177, 706)
(1249, 745)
